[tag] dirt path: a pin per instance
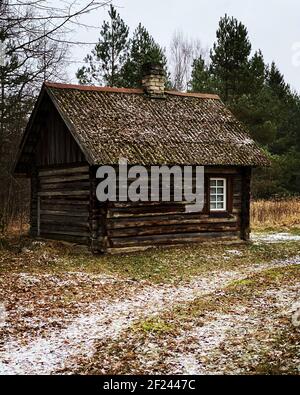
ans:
(107, 319)
(233, 343)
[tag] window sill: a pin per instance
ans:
(220, 214)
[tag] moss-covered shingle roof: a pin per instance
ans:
(110, 123)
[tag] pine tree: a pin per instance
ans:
(230, 58)
(143, 49)
(257, 72)
(201, 80)
(275, 80)
(107, 58)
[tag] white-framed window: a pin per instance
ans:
(218, 194)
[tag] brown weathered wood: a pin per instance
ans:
(58, 214)
(171, 239)
(168, 229)
(79, 185)
(64, 179)
(120, 223)
(64, 237)
(67, 232)
(67, 201)
(245, 207)
(63, 171)
(65, 193)
(95, 227)
(34, 203)
(67, 212)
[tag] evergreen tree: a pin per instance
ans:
(230, 58)
(142, 49)
(107, 59)
(201, 80)
(257, 72)
(275, 80)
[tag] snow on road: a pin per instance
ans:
(204, 356)
(271, 238)
(47, 355)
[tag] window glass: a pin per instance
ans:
(217, 194)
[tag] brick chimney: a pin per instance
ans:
(154, 80)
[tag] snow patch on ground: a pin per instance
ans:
(271, 238)
(46, 355)
(221, 329)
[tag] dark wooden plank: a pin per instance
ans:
(68, 222)
(121, 223)
(68, 232)
(245, 207)
(171, 239)
(65, 193)
(63, 179)
(65, 213)
(65, 237)
(79, 185)
(64, 171)
(169, 229)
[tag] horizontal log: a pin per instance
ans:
(72, 226)
(65, 207)
(121, 223)
(64, 232)
(67, 170)
(64, 193)
(65, 201)
(65, 179)
(58, 214)
(81, 185)
(64, 237)
(171, 239)
(72, 221)
(146, 210)
(220, 170)
(125, 205)
(169, 229)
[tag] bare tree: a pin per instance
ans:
(34, 37)
(183, 51)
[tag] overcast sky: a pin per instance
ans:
(274, 26)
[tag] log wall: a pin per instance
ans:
(64, 203)
(151, 224)
(65, 207)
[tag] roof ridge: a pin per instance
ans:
(60, 85)
(194, 94)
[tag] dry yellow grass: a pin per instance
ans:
(275, 214)
(265, 214)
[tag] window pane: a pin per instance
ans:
(217, 194)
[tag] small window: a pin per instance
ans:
(218, 194)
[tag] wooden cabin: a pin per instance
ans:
(75, 129)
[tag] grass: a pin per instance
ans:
(160, 332)
(156, 266)
(236, 292)
(269, 215)
(154, 325)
